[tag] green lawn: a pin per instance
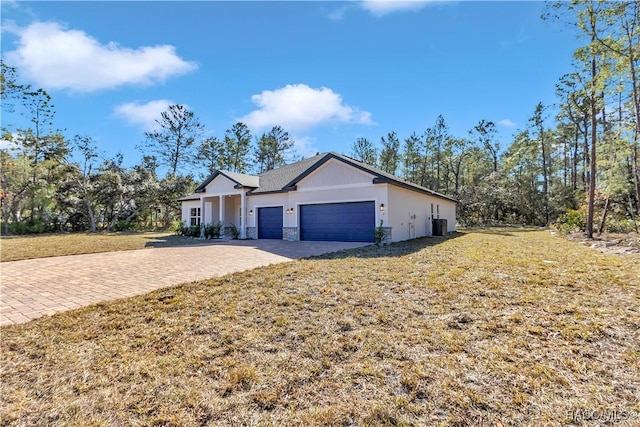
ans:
(15, 248)
(487, 327)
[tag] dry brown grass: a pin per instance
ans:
(14, 248)
(494, 327)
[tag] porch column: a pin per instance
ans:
(221, 206)
(243, 213)
(202, 205)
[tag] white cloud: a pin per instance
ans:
(384, 7)
(59, 58)
(507, 123)
(299, 107)
(144, 115)
(304, 146)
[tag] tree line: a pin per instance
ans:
(574, 163)
(50, 182)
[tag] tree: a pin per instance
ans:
(85, 180)
(272, 149)
(411, 159)
(440, 136)
(537, 124)
(10, 88)
(236, 148)
(173, 143)
(485, 134)
(210, 153)
(455, 152)
(363, 151)
(390, 153)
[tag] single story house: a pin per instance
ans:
(328, 197)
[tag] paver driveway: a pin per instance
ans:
(37, 287)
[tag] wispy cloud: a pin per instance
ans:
(338, 13)
(299, 107)
(507, 123)
(58, 58)
(144, 115)
(385, 7)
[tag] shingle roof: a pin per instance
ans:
(189, 197)
(285, 178)
(278, 179)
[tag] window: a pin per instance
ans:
(438, 210)
(431, 210)
(195, 216)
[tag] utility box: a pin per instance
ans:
(439, 227)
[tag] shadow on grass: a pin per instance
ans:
(306, 249)
(397, 249)
(333, 250)
(501, 230)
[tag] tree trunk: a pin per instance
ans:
(594, 135)
(607, 202)
(633, 216)
(545, 176)
(92, 218)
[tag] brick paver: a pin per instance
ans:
(33, 288)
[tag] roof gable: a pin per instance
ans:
(240, 180)
(335, 173)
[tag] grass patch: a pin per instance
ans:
(507, 328)
(15, 248)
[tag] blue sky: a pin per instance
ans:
(328, 72)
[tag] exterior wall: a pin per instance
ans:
(213, 211)
(410, 213)
(293, 199)
(232, 211)
(264, 201)
(333, 182)
(186, 210)
(406, 214)
(221, 185)
(334, 174)
(448, 211)
(290, 234)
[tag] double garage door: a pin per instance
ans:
(331, 222)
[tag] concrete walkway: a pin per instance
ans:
(33, 288)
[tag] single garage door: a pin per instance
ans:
(338, 222)
(270, 223)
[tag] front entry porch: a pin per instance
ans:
(226, 209)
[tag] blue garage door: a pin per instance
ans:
(270, 223)
(338, 222)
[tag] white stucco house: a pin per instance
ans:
(328, 197)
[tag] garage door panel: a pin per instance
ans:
(270, 223)
(347, 222)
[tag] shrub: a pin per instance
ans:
(30, 227)
(572, 220)
(213, 231)
(194, 231)
(619, 226)
(176, 225)
(235, 233)
(379, 234)
(122, 225)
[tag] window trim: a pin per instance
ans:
(194, 216)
